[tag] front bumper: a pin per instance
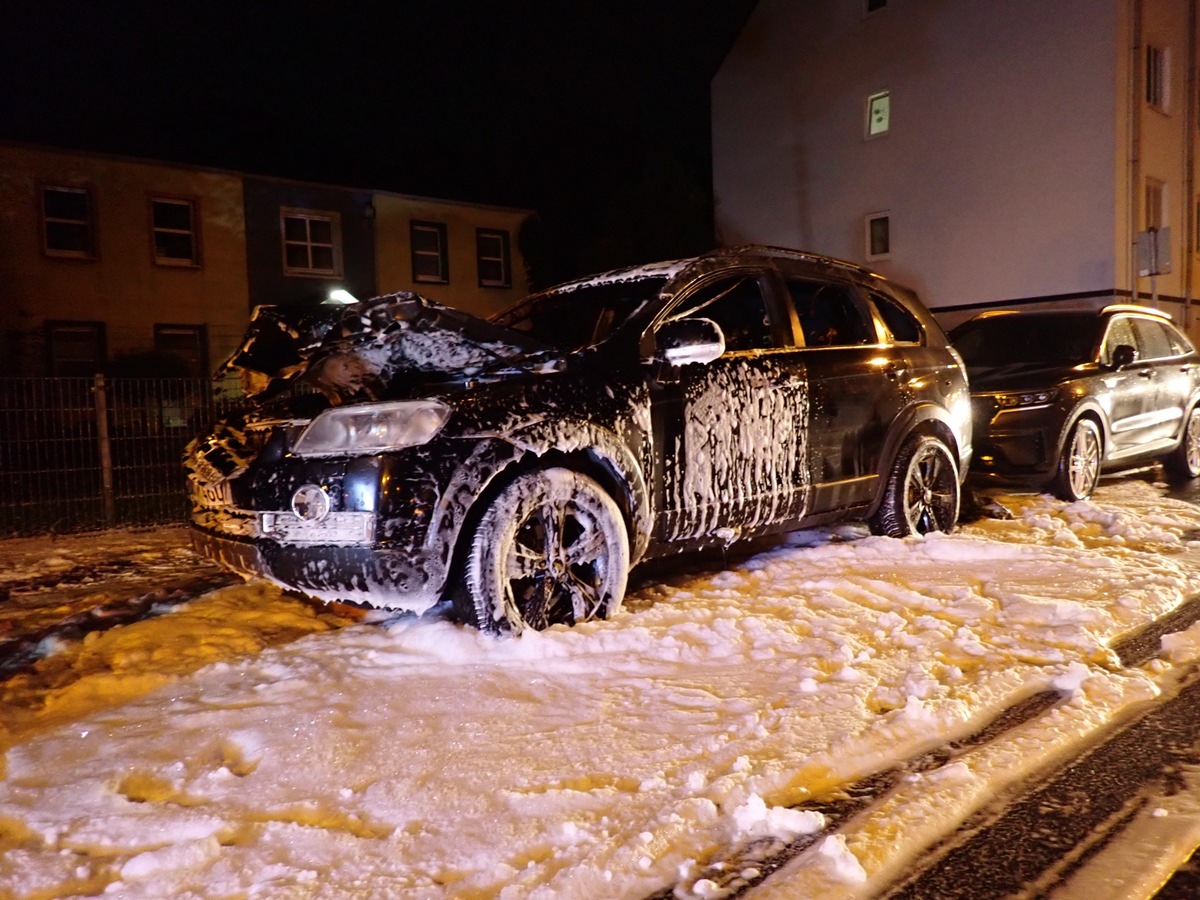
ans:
(384, 578)
(1017, 446)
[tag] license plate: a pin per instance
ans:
(217, 494)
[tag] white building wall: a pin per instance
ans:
(997, 171)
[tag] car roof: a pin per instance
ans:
(1110, 310)
(746, 253)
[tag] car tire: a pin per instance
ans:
(1183, 464)
(551, 548)
(922, 493)
(1079, 463)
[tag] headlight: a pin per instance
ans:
(1026, 399)
(372, 427)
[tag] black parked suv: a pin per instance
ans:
(1061, 396)
(513, 470)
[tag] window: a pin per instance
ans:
(1155, 209)
(74, 348)
(491, 252)
(830, 314)
(311, 242)
(879, 236)
(173, 224)
(430, 263)
(186, 342)
(1196, 229)
(737, 306)
(902, 326)
(879, 108)
(67, 222)
(1120, 331)
(1157, 72)
(870, 6)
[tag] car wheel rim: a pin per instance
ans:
(1192, 446)
(931, 491)
(562, 561)
(1083, 466)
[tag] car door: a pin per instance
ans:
(854, 380)
(730, 434)
(1162, 351)
(1128, 393)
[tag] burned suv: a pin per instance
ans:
(403, 454)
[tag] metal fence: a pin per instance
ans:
(86, 453)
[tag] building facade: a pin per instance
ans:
(987, 154)
(136, 267)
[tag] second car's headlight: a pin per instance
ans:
(372, 427)
(1026, 399)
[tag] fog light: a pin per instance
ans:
(310, 502)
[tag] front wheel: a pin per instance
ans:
(1079, 463)
(922, 491)
(1184, 463)
(551, 548)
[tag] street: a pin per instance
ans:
(834, 715)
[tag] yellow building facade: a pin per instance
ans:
(137, 267)
(103, 257)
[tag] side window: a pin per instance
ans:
(737, 306)
(901, 324)
(1152, 339)
(1179, 343)
(1119, 332)
(830, 315)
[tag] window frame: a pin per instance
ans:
(1154, 197)
(869, 245)
(199, 331)
(175, 262)
(1157, 75)
(505, 258)
(335, 245)
(89, 222)
(98, 330)
(872, 103)
(443, 252)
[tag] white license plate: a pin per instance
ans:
(216, 494)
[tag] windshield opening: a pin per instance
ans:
(1036, 339)
(574, 318)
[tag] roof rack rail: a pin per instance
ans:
(789, 253)
(1138, 308)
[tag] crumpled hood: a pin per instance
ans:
(375, 348)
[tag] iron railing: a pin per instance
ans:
(86, 453)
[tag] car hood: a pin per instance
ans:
(1018, 376)
(378, 348)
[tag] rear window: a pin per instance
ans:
(1004, 340)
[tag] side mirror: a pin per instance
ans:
(686, 341)
(1124, 355)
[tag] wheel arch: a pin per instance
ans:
(927, 419)
(606, 462)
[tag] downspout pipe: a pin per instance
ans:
(1135, 142)
(1189, 170)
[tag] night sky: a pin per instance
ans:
(553, 106)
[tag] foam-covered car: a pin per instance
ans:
(403, 454)
(1061, 396)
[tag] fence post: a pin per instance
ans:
(106, 469)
